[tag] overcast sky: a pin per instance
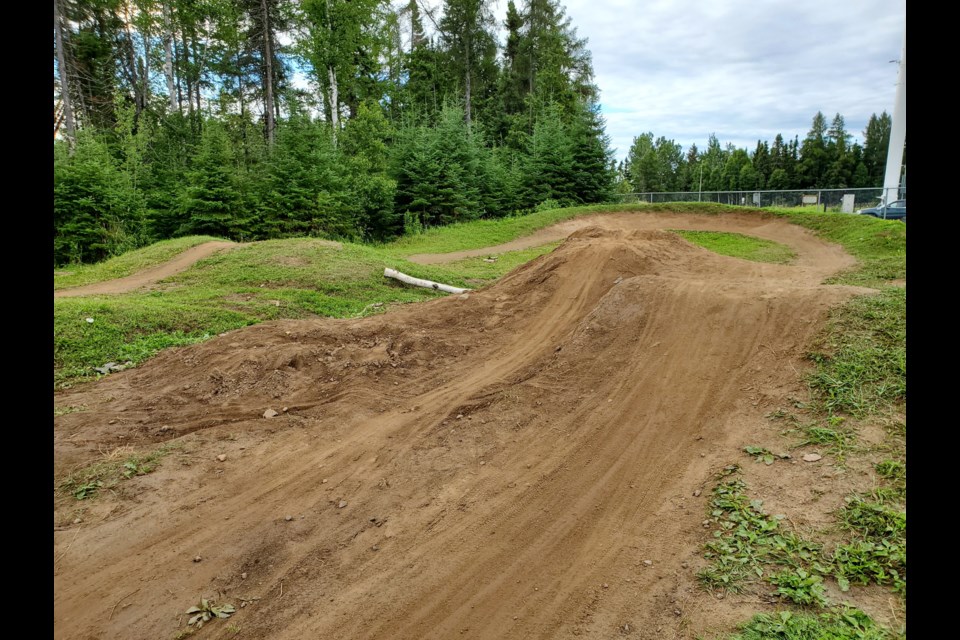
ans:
(744, 70)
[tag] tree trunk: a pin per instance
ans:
(187, 75)
(334, 98)
(418, 282)
(466, 81)
(62, 72)
(268, 102)
(168, 57)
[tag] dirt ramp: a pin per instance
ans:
(513, 463)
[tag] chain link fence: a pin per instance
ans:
(839, 200)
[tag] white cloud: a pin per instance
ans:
(744, 70)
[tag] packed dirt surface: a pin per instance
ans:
(516, 462)
(149, 276)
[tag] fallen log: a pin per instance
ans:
(418, 282)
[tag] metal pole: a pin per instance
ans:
(700, 196)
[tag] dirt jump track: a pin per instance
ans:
(150, 276)
(517, 462)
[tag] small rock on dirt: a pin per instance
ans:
(77, 520)
(222, 457)
(605, 585)
(811, 457)
(685, 565)
(696, 494)
(677, 612)
(270, 413)
(243, 576)
(342, 504)
(649, 563)
(165, 427)
(464, 296)
(288, 518)
(197, 558)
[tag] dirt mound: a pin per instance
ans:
(500, 464)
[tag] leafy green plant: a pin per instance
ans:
(207, 610)
(800, 587)
(62, 411)
(87, 489)
(116, 466)
(873, 520)
(759, 453)
(891, 469)
(844, 624)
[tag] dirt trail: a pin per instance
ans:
(181, 262)
(496, 465)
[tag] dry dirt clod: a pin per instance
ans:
(811, 457)
(605, 585)
(270, 413)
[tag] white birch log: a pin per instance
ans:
(417, 282)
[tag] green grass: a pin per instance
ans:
(861, 360)
(879, 245)
(737, 245)
(126, 264)
(843, 624)
(749, 544)
(106, 474)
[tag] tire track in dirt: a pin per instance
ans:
(502, 455)
(149, 276)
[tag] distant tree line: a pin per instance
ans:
(176, 117)
(824, 159)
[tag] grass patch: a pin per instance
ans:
(62, 411)
(737, 245)
(879, 245)
(843, 624)
(125, 264)
(119, 465)
(749, 544)
(861, 357)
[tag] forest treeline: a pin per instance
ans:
(826, 158)
(354, 119)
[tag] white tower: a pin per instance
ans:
(898, 132)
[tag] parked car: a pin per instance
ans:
(896, 210)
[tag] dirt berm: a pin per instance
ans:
(517, 462)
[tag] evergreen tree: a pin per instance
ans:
(97, 212)
(210, 203)
(876, 140)
(814, 158)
